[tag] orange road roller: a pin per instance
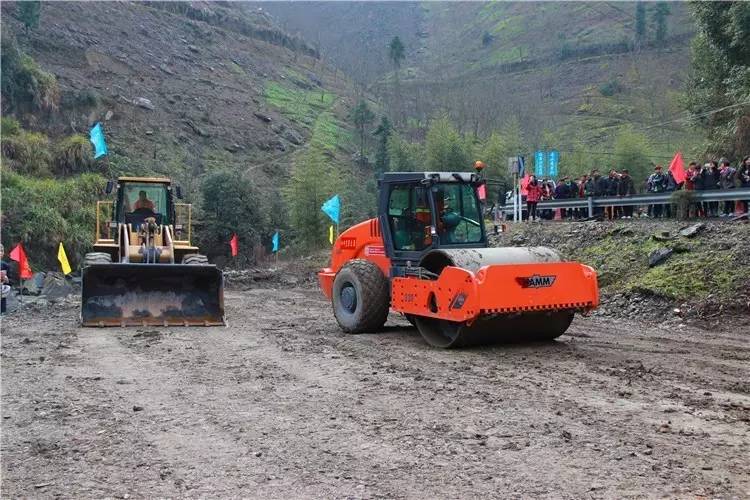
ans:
(426, 257)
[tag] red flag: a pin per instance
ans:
(234, 244)
(482, 192)
(677, 167)
(525, 185)
(19, 255)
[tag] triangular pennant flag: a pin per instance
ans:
(332, 208)
(64, 264)
(96, 136)
(19, 255)
(234, 244)
(677, 167)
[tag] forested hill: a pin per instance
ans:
(569, 72)
(182, 89)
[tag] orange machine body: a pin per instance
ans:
(363, 241)
(462, 295)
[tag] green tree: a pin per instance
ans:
(718, 90)
(312, 182)
(362, 116)
(640, 22)
(633, 151)
(29, 13)
(382, 158)
(231, 204)
(404, 156)
(495, 153)
(661, 12)
(396, 54)
(445, 149)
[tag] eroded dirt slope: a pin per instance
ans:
(281, 404)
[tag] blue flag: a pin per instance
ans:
(275, 241)
(539, 157)
(554, 163)
(332, 208)
(96, 136)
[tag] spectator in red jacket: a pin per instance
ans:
(533, 195)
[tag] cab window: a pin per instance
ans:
(410, 217)
(459, 213)
(145, 200)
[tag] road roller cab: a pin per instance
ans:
(426, 257)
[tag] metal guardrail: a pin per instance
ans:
(635, 200)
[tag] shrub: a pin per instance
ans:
(681, 200)
(610, 88)
(24, 83)
(44, 212)
(27, 153)
(487, 39)
(72, 155)
(84, 98)
(9, 126)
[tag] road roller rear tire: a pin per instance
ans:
(361, 297)
(527, 327)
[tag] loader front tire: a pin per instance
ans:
(96, 258)
(195, 259)
(361, 297)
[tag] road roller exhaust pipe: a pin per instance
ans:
(152, 295)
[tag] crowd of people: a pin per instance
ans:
(709, 176)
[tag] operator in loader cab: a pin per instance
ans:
(143, 202)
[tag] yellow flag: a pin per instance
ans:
(330, 233)
(63, 260)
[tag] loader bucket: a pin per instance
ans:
(152, 294)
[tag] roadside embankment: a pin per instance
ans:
(655, 270)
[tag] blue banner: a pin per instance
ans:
(539, 158)
(96, 136)
(521, 166)
(332, 208)
(275, 242)
(554, 163)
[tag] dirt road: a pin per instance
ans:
(281, 404)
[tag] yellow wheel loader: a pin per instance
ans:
(144, 269)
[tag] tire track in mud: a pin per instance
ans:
(283, 404)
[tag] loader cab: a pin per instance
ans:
(420, 211)
(140, 198)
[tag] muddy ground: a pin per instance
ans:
(282, 404)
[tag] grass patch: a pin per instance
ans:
(692, 274)
(236, 69)
(302, 106)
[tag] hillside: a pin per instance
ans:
(184, 89)
(570, 72)
(205, 83)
